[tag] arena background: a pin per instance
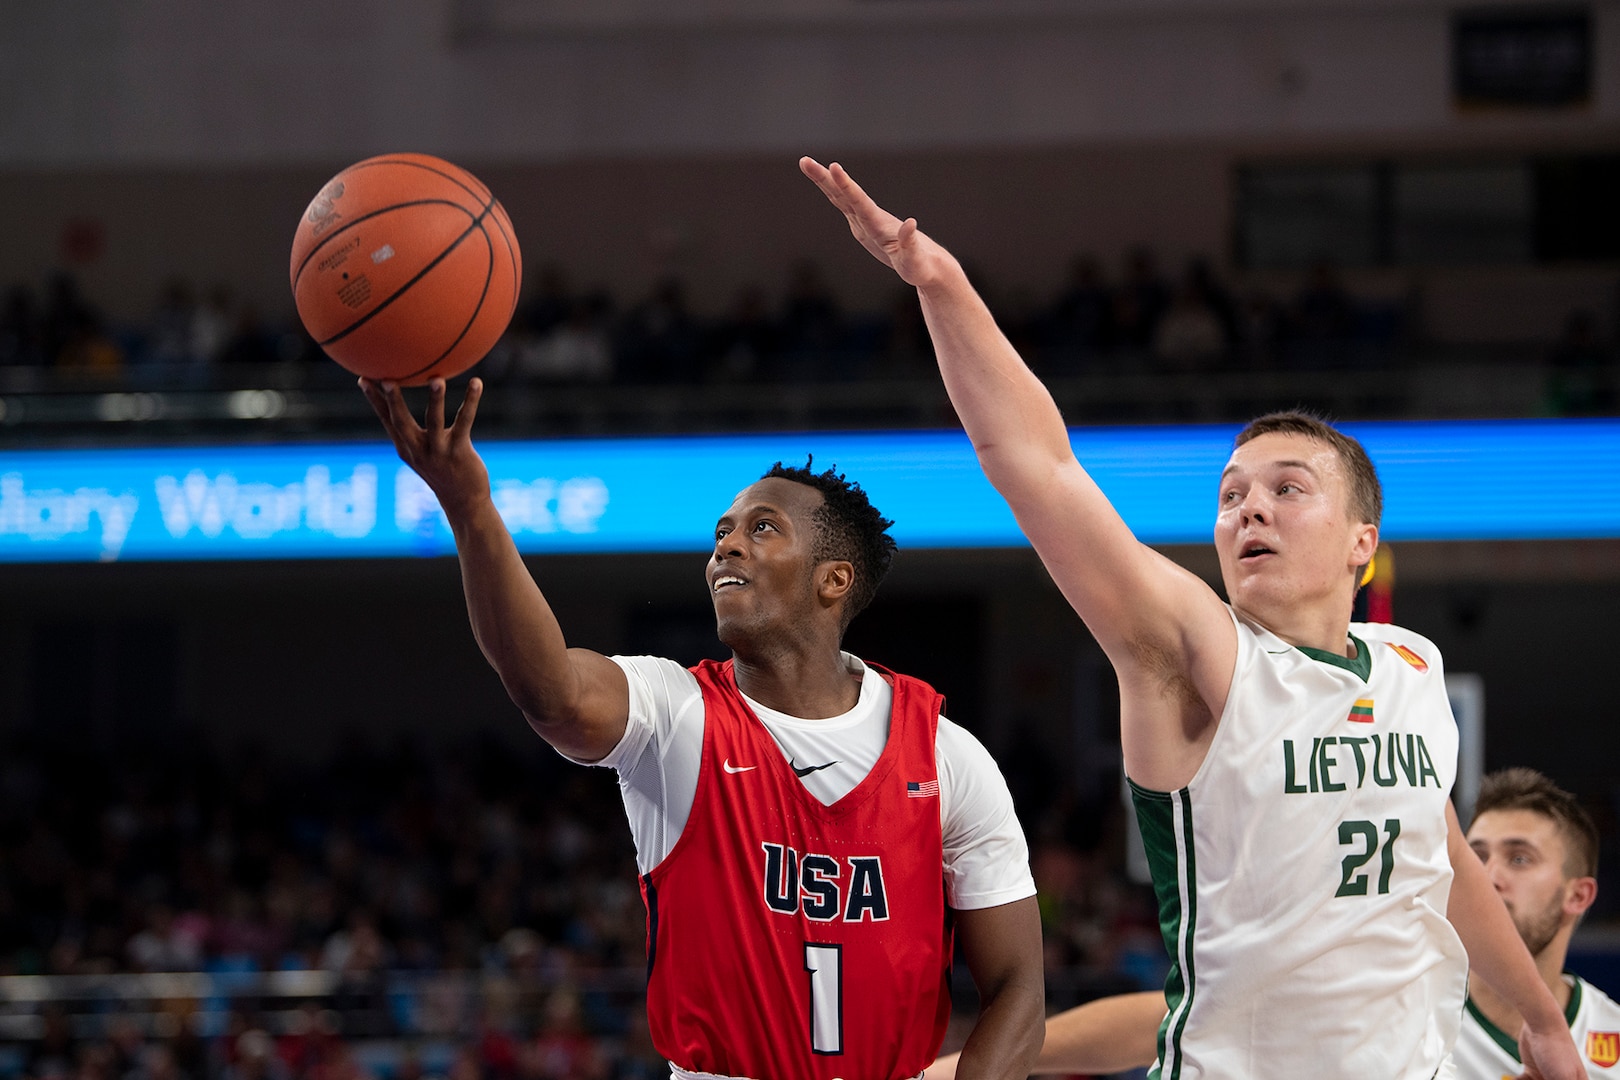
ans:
(296, 783)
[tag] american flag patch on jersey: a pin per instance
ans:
(924, 790)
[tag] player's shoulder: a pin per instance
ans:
(658, 675)
(960, 753)
(1596, 1003)
(1412, 646)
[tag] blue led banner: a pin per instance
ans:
(1473, 480)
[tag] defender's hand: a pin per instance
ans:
(897, 244)
(442, 456)
(1550, 1055)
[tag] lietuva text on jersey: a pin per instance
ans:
(1326, 765)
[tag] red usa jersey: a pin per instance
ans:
(790, 940)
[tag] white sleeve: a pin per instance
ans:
(986, 855)
(657, 758)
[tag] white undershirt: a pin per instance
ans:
(986, 857)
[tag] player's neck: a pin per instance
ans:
(1550, 963)
(1326, 631)
(811, 685)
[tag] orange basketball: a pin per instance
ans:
(405, 268)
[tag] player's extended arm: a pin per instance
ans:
(1498, 955)
(1159, 624)
(1002, 947)
(1108, 1035)
(575, 699)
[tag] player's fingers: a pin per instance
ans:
(837, 194)
(399, 413)
(374, 399)
(846, 186)
(908, 232)
(858, 205)
(462, 431)
(434, 421)
(818, 174)
(379, 405)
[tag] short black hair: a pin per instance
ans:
(848, 527)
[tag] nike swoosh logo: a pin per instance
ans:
(730, 768)
(808, 769)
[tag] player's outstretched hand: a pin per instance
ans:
(442, 456)
(894, 243)
(1549, 1055)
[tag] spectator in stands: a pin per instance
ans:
(1080, 323)
(577, 350)
(21, 343)
(659, 339)
(548, 305)
(1581, 371)
(211, 326)
(168, 332)
(562, 1050)
(1258, 330)
(56, 1052)
(810, 327)
(1192, 334)
(744, 341)
(165, 944)
(1323, 318)
(904, 348)
(250, 342)
(66, 313)
(89, 346)
(1139, 302)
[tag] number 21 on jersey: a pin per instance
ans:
(1363, 840)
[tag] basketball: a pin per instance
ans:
(405, 268)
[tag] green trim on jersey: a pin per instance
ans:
(1508, 1043)
(1359, 665)
(1172, 865)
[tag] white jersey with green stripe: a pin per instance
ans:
(1302, 875)
(1486, 1052)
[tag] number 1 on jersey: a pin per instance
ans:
(825, 963)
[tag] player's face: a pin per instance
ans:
(761, 574)
(1523, 853)
(1284, 531)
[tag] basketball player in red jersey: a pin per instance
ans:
(809, 828)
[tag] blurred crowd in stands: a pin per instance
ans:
(1140, 318)
(422, 884)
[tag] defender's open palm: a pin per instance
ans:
(442, 456)
(894, 243)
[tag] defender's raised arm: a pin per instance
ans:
(1165, 631)
(576, 700)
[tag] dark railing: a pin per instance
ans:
(319, 400)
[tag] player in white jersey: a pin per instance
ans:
(1316, 899)
(1540, 849)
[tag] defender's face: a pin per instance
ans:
(1284, 532)
(1523, 853)
(761, 574)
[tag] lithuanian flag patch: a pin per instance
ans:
(1409, 656)
(1362, 712)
